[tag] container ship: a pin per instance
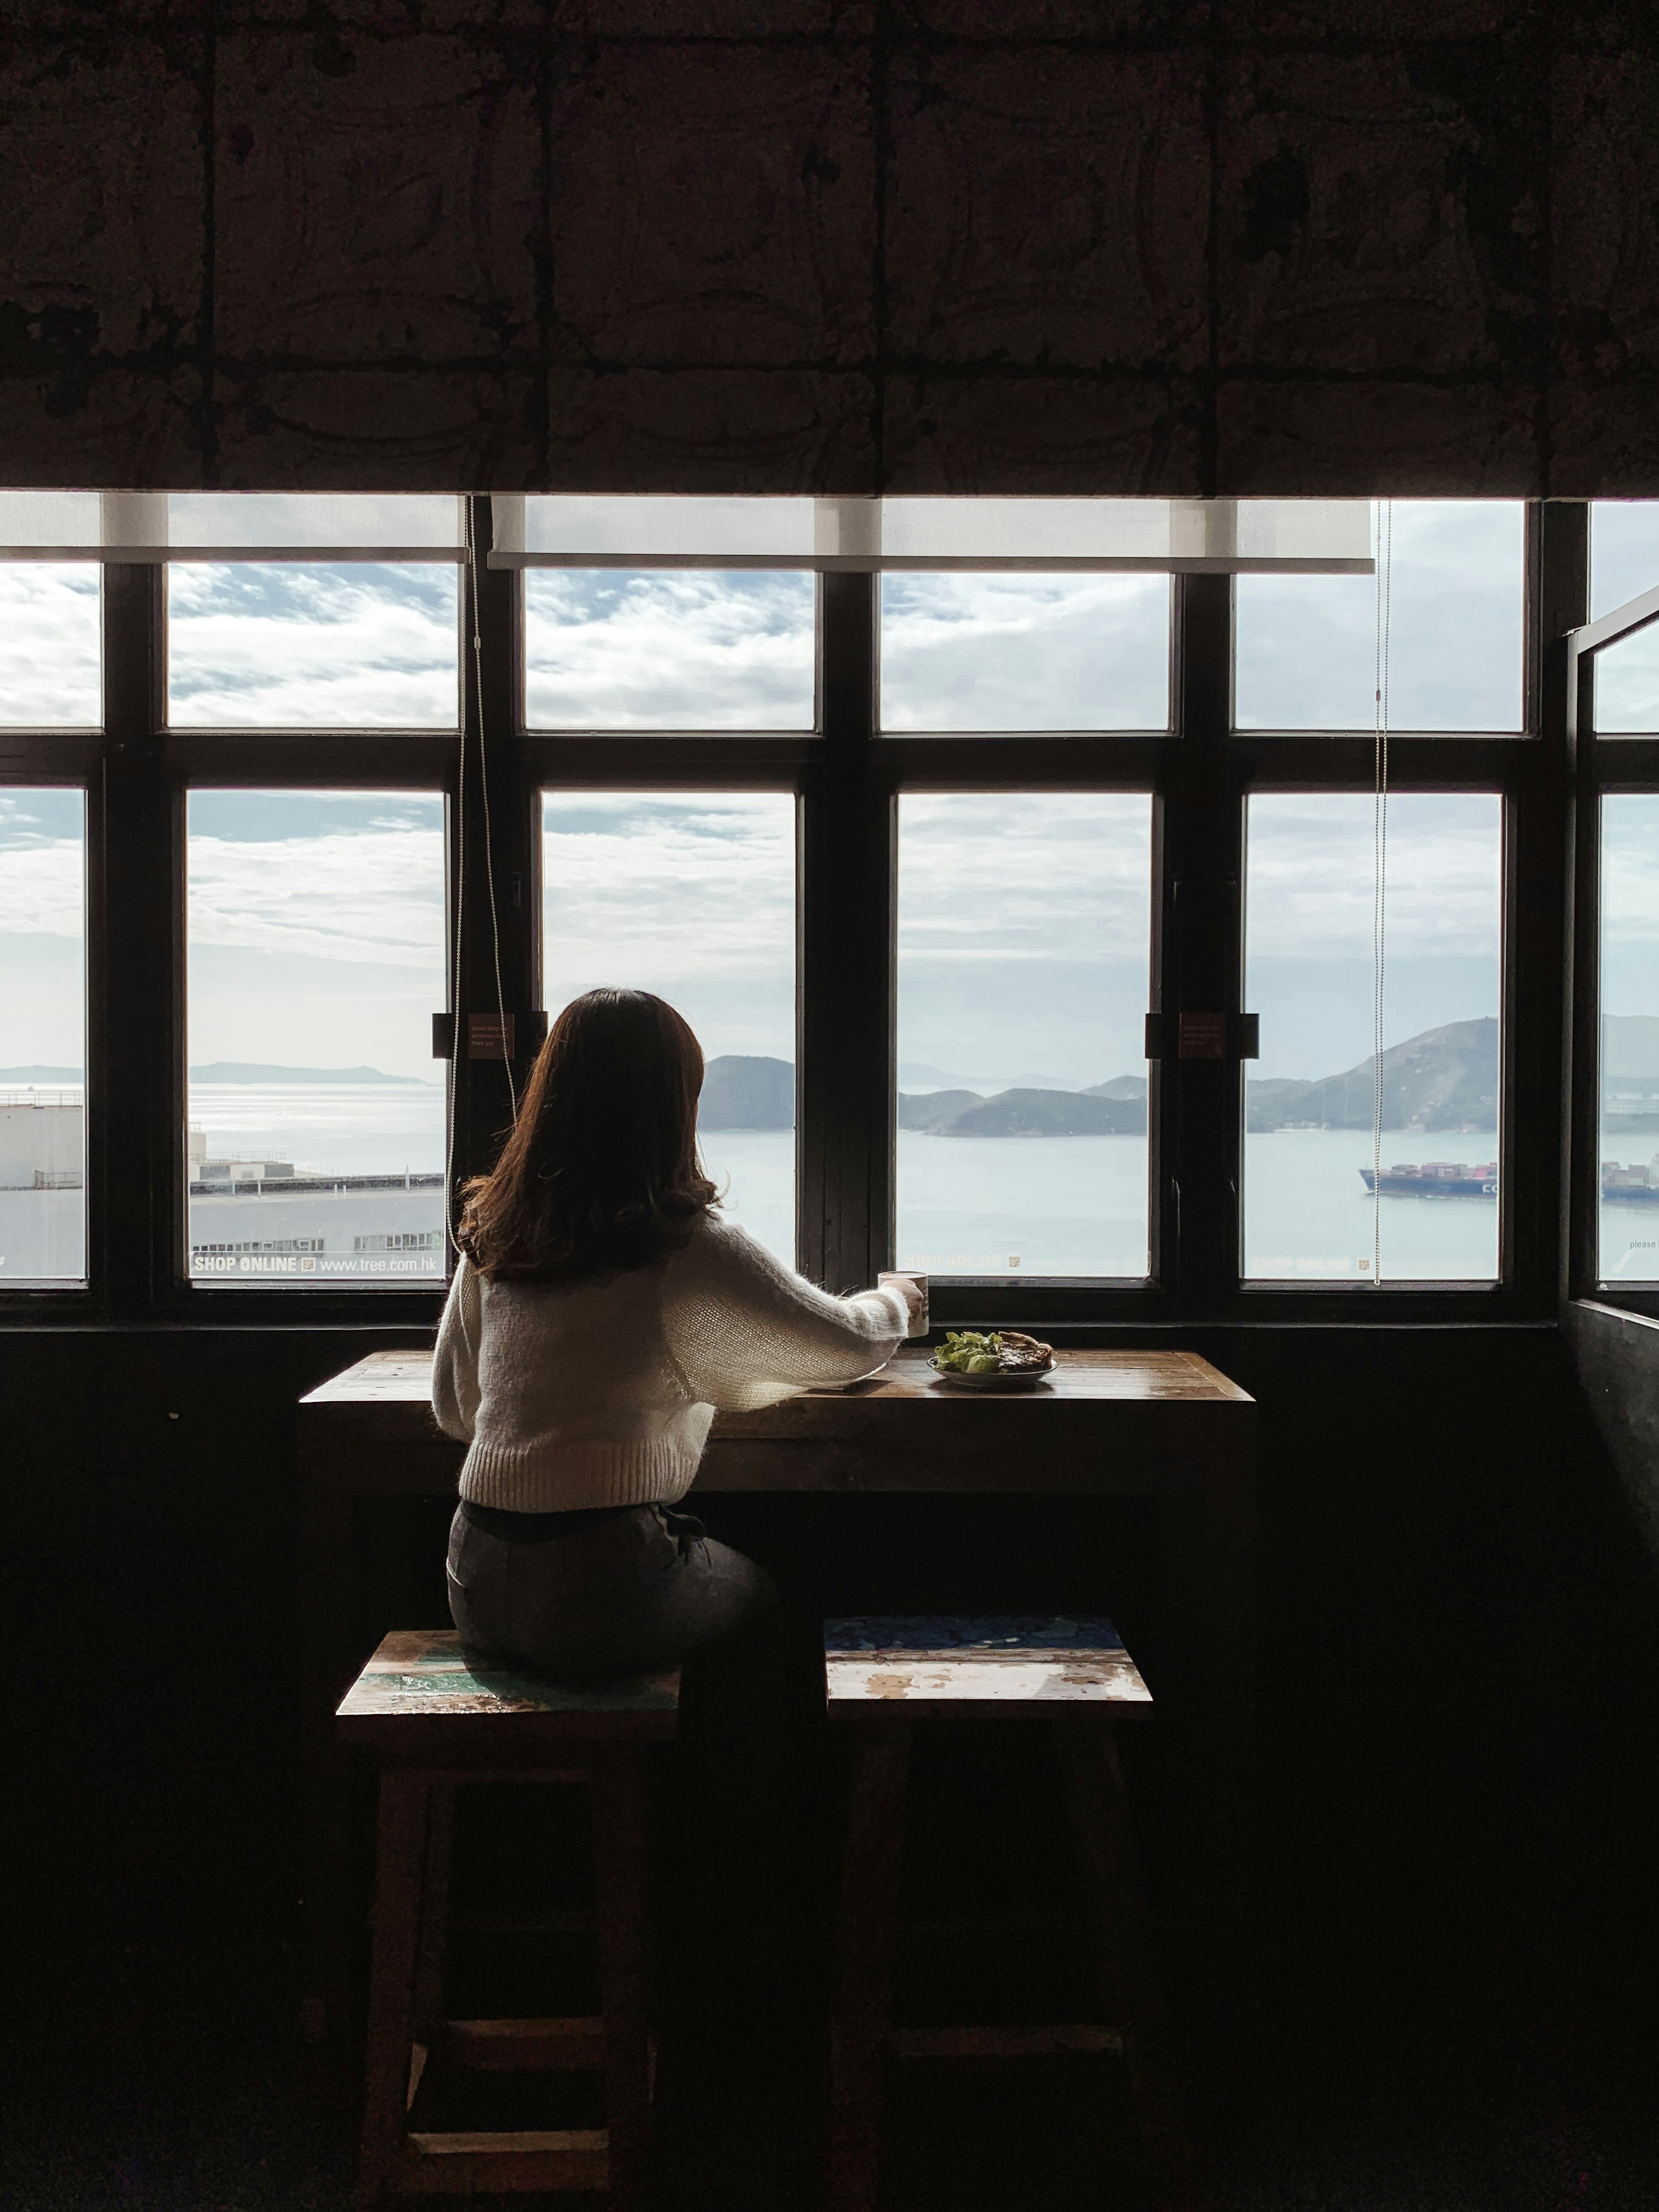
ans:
(1450, 1179)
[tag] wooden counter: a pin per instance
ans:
(1164, 1425)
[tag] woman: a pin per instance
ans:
(601, 1313)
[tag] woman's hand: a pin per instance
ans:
(913, 1291)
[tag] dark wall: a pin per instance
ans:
(1456, 1635)
(1293, 245)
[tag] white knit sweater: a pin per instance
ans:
(601, 1393)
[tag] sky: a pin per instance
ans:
(315, 928)
(317, 920)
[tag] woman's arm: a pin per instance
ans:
(455, 1363)
(745, 1331)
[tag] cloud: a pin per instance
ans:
(42, 870)
(970, 652)
(1306, 647)
(687, 883)
(374, 894)
(281, 646)
(1630, 863)
(1024, 876)
(678, 649)
(51, 645)
(1624, 551)
(1310, 875)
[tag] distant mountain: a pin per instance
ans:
(1443, 1078)
(745, 1091)
(1120, 1086)
(250, 1071)
(1049, 1114)
(40, 1075)
(934, 1110)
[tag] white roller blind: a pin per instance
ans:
(190, 526)
(1194, 537)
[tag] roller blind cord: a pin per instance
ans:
(1380, 864)
(458, 1043)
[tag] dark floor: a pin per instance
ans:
(159, 2077)
(1451, 2039)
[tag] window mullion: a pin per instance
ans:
(844, 1091)
(1535, 937)
(494, 769)
(135, 1049)
(1201, 964)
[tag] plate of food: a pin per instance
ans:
(997, 1359)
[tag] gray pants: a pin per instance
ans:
(594, 1596)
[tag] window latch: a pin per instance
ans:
(490, 1036)
(1203, 1036)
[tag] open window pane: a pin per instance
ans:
(691, 895)
(1024, 652)
(1310, 1212)
(1630, 1038)
(1627, 676)
(1024, 961)
(275, 645)
(1305, 657)
(669, 649)
(51, 645)
(316, 962)
(43, 1235)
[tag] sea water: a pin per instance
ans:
(992, 1206)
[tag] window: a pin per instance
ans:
(1628, 1161)
(918, 936)
(51, 648)
(42, 1037)
(691, 895)
(1624, 562)
(1024, 935)
(1024, 652)
(315, 1148)
(1314, 1208)
(669, 650)
(1306, 656)
(287, 645)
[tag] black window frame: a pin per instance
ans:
(1601, 767)
(847, 776)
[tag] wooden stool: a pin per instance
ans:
(878, 1675)
(434, 1719)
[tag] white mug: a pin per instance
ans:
(889, 1276)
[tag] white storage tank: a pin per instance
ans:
(42, 1143)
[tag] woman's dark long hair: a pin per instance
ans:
(601, 1172)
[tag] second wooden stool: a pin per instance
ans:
(432, 1720)
(879, 1674)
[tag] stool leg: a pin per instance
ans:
(427, 2010)
(619, 1856)
(866, 1937)
(1127, 1965)
(398, 1876)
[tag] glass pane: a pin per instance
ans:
(316, 963)
(1627, 685)
(1624, 551)
(1024, 950)
(1309, 1210)
(1305, 655)
(691, 894)
(1630, 1038)
(279, 644)
(1021, 652)
(43, 1018)
(669, 649)
(51, 645)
